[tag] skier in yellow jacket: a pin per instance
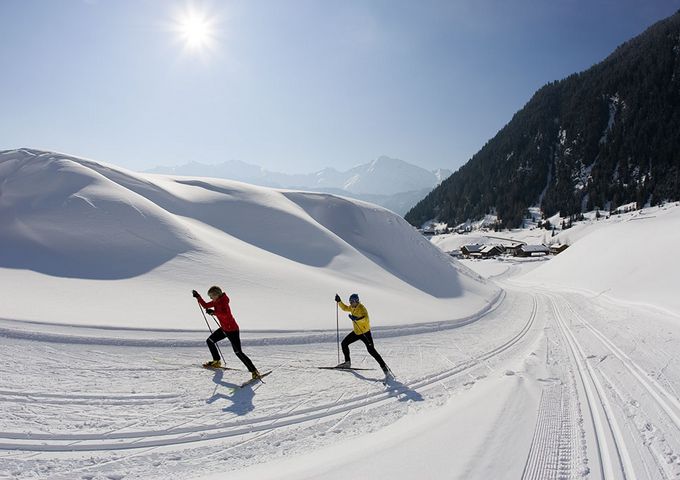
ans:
(362, 331)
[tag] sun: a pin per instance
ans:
(196, 29)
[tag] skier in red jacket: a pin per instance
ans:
(219, 307)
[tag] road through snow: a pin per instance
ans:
(548, 384)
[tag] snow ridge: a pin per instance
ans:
(77, 228)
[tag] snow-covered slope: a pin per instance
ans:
(629, 257)
(88, 243)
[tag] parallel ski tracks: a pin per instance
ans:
(665, 403)
(664, 399)
(234, 428)
(75, 398)
(613, 457)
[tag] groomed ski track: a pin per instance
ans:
(186, 434)
(601, 406)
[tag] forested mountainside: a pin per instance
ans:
(604, 137)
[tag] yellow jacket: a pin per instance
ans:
(360, 326)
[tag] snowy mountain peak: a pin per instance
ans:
(387, 175)
(389, 162)
(384, 176)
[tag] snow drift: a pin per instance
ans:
(134, 245)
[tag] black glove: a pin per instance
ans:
(337, 298)
(353, 318)
(210, 311)
(195, 294)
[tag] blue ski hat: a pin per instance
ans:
(354, 296)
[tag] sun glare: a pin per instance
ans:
(196, 29)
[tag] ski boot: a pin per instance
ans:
(256, 374)
(345, 364)
(388, 373)
(213, 364)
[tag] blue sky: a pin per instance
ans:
(293, 86)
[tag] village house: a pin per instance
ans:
(513, 249)
(489, 251)
(473, 250)
(532, 251)
(558, 248)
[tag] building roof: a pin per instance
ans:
(474, 248)
(534, 248)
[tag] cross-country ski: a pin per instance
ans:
(220, 367)
(255, 379)
(344, 368)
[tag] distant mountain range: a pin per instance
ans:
(601, 138)
(389, 182)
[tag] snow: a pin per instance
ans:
(414, 440)
(486, 267)
(614, 102)
(614, 257)
(76, 230)
(456, 241)
(629, 259)
(565, 367)
(387, 176)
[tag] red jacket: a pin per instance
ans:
(222, 312)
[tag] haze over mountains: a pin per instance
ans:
(389, 182)
(601, 138)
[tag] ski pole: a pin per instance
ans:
(208, 325)
(337, 329)
(215, 320)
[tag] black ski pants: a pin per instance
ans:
(368, 341)
(235, 339)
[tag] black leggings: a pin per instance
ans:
(235, 339)
(368, 341)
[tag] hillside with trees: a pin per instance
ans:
(601, 138)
